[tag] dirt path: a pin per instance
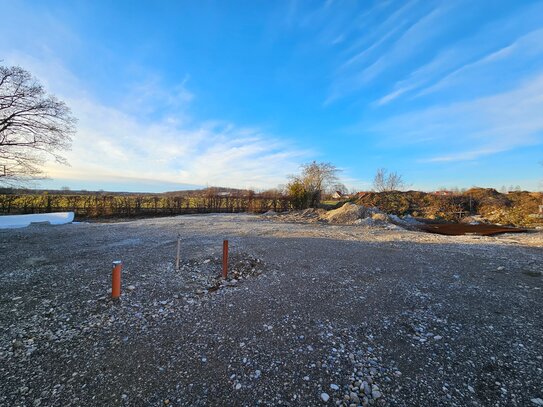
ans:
(346, 314)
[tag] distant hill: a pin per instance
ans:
(210, 191)
(186, 192)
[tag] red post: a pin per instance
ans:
(225, 259)
(116, 279)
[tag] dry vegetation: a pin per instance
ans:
(128, 205)
(515, 208)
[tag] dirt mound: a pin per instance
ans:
(309, 215)
(350, 213)
(519, 208)
(347, 214)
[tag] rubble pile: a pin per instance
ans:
(349, 214)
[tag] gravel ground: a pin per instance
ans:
(312, 314)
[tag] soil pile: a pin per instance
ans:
(310, 215)
(348, 214)
(519, 208)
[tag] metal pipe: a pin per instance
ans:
(225, 259)
(116, 279)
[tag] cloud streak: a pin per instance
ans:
(523, 49)
(392, 43)
(123, 143)
(470, 130)
(474, 59)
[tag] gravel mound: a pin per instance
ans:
(352, 214)
(309, 215)
(348, 214)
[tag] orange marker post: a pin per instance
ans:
(116, 279)
(225, 259)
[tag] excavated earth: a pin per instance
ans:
(312, 314)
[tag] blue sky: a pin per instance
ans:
(173, 94)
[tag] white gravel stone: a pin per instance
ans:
(325, 397)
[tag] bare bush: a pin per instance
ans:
(386, 182)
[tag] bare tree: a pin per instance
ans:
(34, 126)
(315, 179)
(318, 176)
(386, 182)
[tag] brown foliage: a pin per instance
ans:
(516, 208)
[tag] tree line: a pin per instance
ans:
(104, 205)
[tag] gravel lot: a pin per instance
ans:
(315, 314)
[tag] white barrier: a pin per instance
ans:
(22, 221)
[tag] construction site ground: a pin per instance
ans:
(312, 314)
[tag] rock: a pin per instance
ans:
(376, 394)
(438, 337)
(354, 398)
(501, 268)
(366, 388)
(238, 386)
(334, 386)
(131, 287)
(325, 397)
(533, 273)
(537, 401)
(471, 389)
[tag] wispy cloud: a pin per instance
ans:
(470, 130)
(478, 57)
(402, 35)
(123, 143)
(523, 49)
(369, 41)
